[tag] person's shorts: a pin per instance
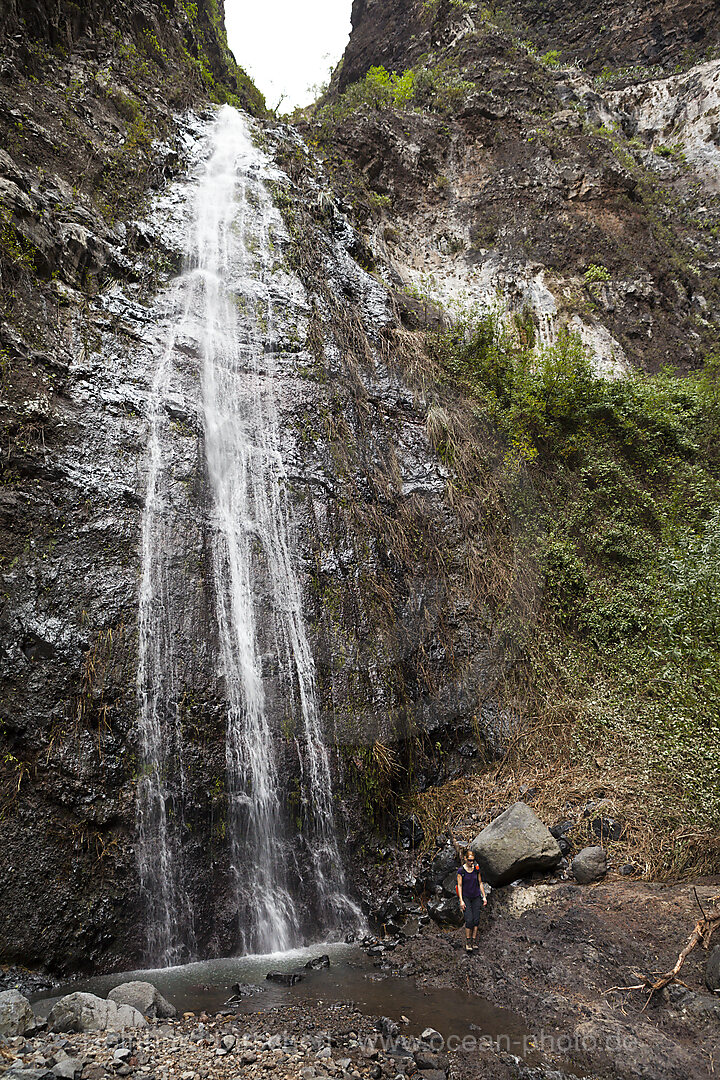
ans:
(473, 908)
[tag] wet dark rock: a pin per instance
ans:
(446, 911)
(391, 908)
(284, 978)
(589, 865)
(449, 884)
(318, 962)
(443, 863)
(388, 1026)
(426, 1059)
(607, 829)
(431, 1037)
(411, 832)
(243, 990)
(515, 844)
(35, 648)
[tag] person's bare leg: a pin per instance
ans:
(468, 935)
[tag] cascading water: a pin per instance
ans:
(160, 778)
(232, 307)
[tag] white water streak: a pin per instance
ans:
(233, 310)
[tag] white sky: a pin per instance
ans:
(288, 46)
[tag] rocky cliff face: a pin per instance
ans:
(100, 142)
(93, 119)
(512, 183)
(649, 34)
(639, 36)
(522, 173)
(515, 201)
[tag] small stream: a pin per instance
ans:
(351, 978)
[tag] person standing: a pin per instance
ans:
(471, 894)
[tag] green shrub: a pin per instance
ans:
(596, 273)
(440, 88)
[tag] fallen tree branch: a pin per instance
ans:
(704, 930)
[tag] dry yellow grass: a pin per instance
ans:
(661, 848)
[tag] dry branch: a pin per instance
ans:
(704, 930)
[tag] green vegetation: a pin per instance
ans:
(17, 260)
(596, 273)
(595, 276)
(607, 591)
(235, 88)
(551, 58)
(439, 87)
(675, 152)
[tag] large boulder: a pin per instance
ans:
(144, 997)
(712, 969)
(86, 1012)
(515, 844)
(16, 1015)
(589, 865)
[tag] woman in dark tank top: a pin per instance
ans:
(471, 894)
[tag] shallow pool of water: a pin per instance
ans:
(351, 978)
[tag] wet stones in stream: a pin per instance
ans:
(240, 991)
(290, 978)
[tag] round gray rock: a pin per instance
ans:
(144, 997)
(589, 865)
(16, 1015)
(712, 969)
(86, 1012)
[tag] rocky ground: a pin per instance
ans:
(294, 1041)
(553, 954)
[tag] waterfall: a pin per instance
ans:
(232, 305)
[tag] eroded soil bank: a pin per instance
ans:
(554, 953)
